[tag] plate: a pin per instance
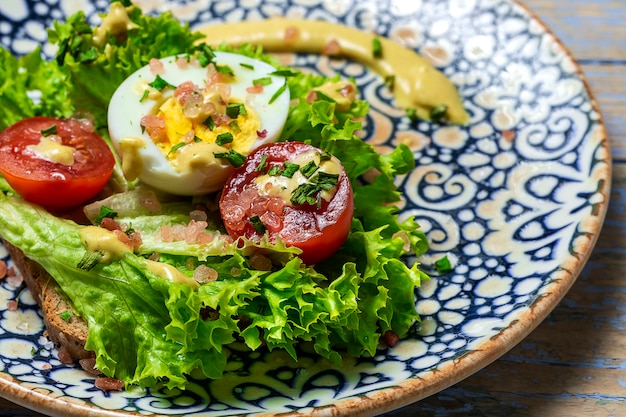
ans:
(516, 200)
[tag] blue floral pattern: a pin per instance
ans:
(515, 200)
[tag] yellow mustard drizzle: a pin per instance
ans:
(97, 239)
(417, 84)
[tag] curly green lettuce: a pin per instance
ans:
(146, 329)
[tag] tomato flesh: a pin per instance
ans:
(318, 229)
(54, 185)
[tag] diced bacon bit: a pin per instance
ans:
(12, 305)
(110, 224)
(311, 96)
(255, 89)
(332, 48)
(109, 384)
(3, 269)
(182, 62)
(203, 274)
(65, 356)
(89, 366)
(262, 134)
(156, 66)
(291, 34)
(155, 126)
(390, 338)
(260, 262)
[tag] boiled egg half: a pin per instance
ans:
(181, 126)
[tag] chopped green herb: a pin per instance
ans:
(306, 193)
(209, 122)
(275, 171)
(377, 48)
(233, 110)
(224, 138)
(284, 73)
(144, 96)
(233, 157)
(258, 225)
(176, 147)
(438, 113)
(324, 97)
(278, 93)
(290, 169)
(234, 126)
(309, 169)
(224, 69)
(248, 66)
(197, 139)
(205, 54)
(52, 130)
(106, 212)
(89, 260)
(412, 115)
(262, 81)
(262, 165)
(159, 83)
(390, 81)
(325, 156)
(443, 265)
(325, 180)
(66, 316)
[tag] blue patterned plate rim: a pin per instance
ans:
(516, 200)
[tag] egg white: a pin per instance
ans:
(127, 108)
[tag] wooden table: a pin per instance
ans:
(574, 364)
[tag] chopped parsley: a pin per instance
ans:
(66, 316)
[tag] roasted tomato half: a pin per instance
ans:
(56, 163)
(294, 191)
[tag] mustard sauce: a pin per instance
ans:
(97, 239)
(416, 83)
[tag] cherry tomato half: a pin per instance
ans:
(29, 163)
(309, 207)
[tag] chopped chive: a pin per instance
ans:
(275, 171)
(438, 113)
(224, 138)
(176, 147)
(258, 225)
(66, 316)
(278, 93)
(290, 169)
(233, 110)
(306, 193)
(325, 156)
(234, 126)
(390, 81)
(225, 70)
(209, 122)
(145, 95)
(233, 157)
(412, 115)
(159, 83)
(248, 66)
(89, 260)
(52, 130)
(325, 180)
(197, 139)
(262, 165)
(205, 54)
(284, 73)
(377, 48)
(309, 169)
(262, 81)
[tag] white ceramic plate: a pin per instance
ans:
(516, 200)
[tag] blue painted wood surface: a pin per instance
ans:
(574, 363)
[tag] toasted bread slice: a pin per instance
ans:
(63, 326)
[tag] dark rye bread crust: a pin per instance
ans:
(70, 335)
